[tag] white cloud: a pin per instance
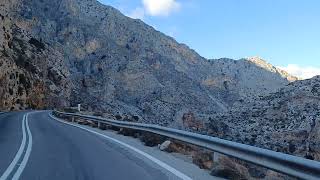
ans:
(137, 13)
(160, 7)
(155, 8)
(302, 72)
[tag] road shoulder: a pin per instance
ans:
(178, 161)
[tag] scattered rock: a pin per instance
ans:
(127, 132)
(150, 139)
(189, 121)
(203, 159)
(229, 169)
(165, 145)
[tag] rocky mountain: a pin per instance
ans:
(32, 74)
(286, 121)
(59, 53)
(92, 54)
(248, 77)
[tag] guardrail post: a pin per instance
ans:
(216, 157)
(99, 125)
(72, 119)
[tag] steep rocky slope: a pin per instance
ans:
(286, 121)
(247, 78)
(122, 65)
(32, 74)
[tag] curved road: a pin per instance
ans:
(35, 146)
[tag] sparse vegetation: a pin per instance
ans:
(38, 44)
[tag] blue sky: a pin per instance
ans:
(284, 32)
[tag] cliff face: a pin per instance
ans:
(286, 121)
(32, 74)
(246, 78)
(117, 64)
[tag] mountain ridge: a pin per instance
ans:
(122, 65)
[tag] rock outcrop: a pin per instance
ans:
(286, 121)
(32, 73)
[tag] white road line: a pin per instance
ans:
(19, 153)
(27, 154)
(157, 161)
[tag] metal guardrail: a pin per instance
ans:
(280, 162)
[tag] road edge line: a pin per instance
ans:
(155, 160)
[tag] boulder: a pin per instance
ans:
(165, 145)
(127, 132)
(151, 139)
(230, 169)
(203, 160)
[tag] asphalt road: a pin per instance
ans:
(33, 146)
